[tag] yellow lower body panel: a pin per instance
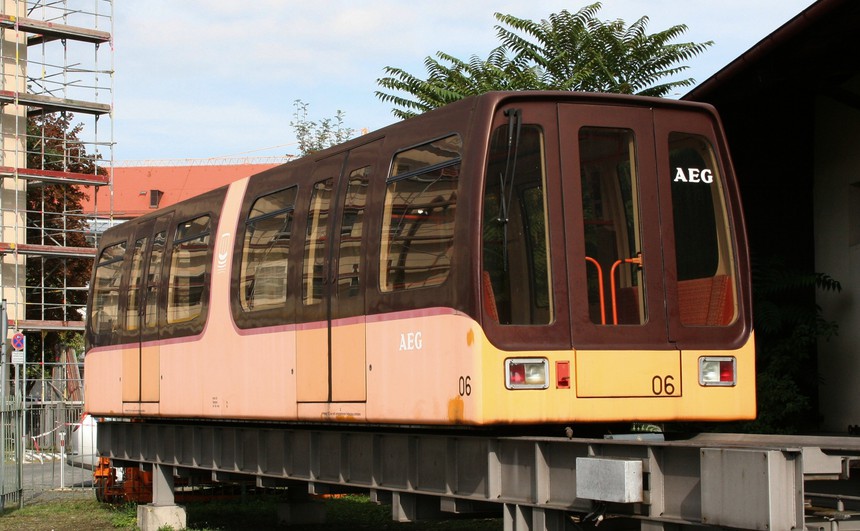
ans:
(612, 386)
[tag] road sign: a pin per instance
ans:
(18, 341)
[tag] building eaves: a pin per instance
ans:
(767, 47)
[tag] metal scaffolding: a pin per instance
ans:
(56, 98)
(56, 101)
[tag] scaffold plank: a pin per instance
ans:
(38, 325)
(64, 177)
(50, 103)
(50, 31)
(47, 250)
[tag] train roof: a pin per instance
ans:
(491, 100)
(487, 103)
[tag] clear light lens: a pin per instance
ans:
(526, 373)
(717, 371)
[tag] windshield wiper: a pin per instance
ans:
(506, 179)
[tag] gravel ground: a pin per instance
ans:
(57, 494)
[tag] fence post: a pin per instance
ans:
(63, 459)
(4, 331)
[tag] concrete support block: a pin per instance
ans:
(154, 517)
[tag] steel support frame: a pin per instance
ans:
(532, 480)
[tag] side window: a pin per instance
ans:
(418, 220)
(105, 304)
(188, 268)
(135, 287)
(351, 230)
(703, 250)
(315, 243)
(516, 275)
(610, 203)
(153, 281)
(266, 250)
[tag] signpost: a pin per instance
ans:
(19, 343)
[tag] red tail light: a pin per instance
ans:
(526, 373)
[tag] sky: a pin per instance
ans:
(202, 79)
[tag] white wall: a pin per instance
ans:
(837, 253)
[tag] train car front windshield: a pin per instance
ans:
(629, 239)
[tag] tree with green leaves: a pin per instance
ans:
(315, 136)
(567, 51)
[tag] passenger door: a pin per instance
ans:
(613, 226)
(141, 366)
(331, 342)
(614, 241)
(348, 276)
(313, 352)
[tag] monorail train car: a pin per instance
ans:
(512, 258)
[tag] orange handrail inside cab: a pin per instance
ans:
(638, 261)
(600, 283)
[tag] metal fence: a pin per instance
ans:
(47, 443)
(11, 416)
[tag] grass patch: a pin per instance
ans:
(67, 514)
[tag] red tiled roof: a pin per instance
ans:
(133, 186)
